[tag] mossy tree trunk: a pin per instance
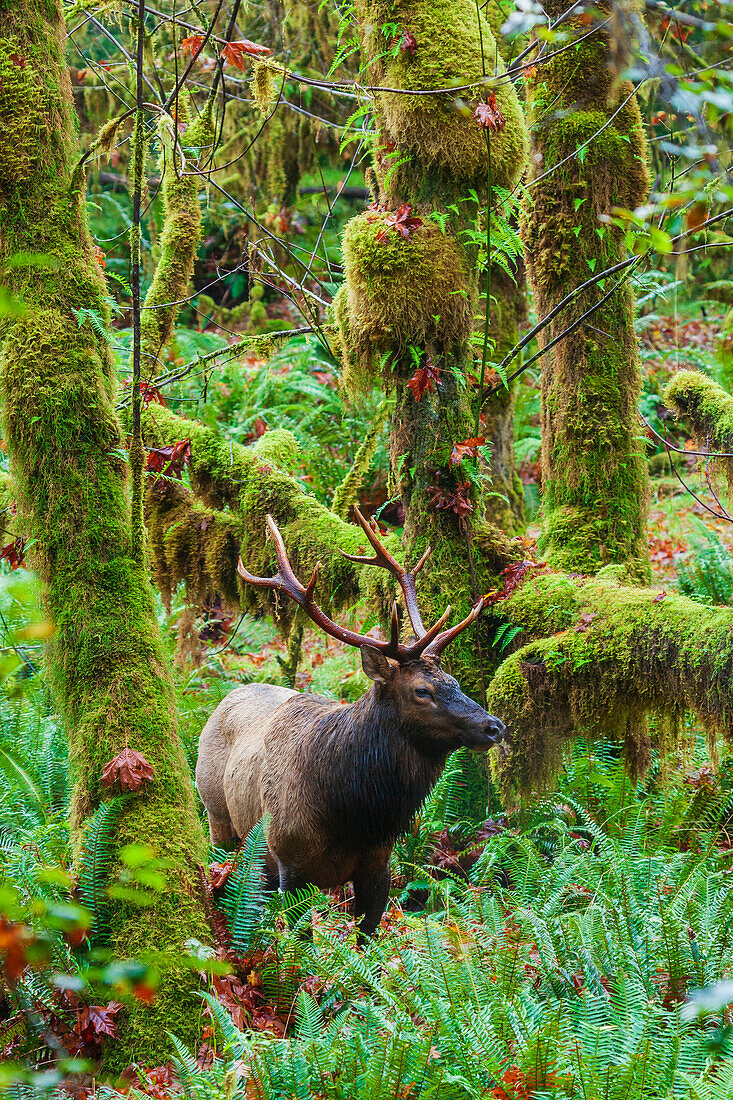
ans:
(588, 155)
(107, 663)
(505, 505)
(408, 305)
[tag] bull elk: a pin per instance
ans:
(340, 783)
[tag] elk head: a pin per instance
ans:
(428, 701)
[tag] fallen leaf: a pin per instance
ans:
(584, 621)
(489, 115)
(659, 596)
(402, 221)
(130, 767)
(409, 43)
(169, 460)
(192, 44)
(97, 1022)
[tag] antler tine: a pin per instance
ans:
(286, 581)
(425, 555)
(439, 643)
(421, 645)
(404, 578)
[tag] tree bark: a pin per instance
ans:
(107, 663)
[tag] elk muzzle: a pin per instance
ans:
(484, 735)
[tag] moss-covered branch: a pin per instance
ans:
(607, 656)
(249, 482)
(107, 664)
(708, 409)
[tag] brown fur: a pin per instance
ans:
(339, 783)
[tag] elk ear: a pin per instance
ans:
(375, 665)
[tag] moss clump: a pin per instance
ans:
(607, 655)
(399, 293)
(594, 471)
(107, 664)
(708, 409)
(438, 131)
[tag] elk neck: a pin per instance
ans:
(374, 771)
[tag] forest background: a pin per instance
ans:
(245, 256)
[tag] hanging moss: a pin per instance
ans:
(607, 655)
(347, 493)
(595, 481)
(191, 545)
(437, 132)
(181, 231)
(708, 409)
(251, 482)
(397, 293)
(106, 663)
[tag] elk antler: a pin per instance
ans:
(429, 642)
(404, 577)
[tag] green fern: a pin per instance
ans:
(243, 900)
(95, 862)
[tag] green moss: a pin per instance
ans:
(106, 663)
(438, 132)
(595, 479)
(399, 293)
(606, 656)
(708, 409)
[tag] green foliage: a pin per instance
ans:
(96, 860)
(242, 901)
(705, 575)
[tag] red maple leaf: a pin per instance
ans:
(130, 767)
(409, 43)
(13, 553)
(489, 115)
(97, 1022)
(219, 873)
(237, 52)
(401, 221)
(467, 448)
(99, 256)
(425, 378)
(659, 596)
(513, 575)
(585, 620)
(18, 60)
(169, 460)
(151, 395)
(192, 44)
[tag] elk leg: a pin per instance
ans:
(370, 900)
(292, 881)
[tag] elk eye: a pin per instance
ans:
(423, 693)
